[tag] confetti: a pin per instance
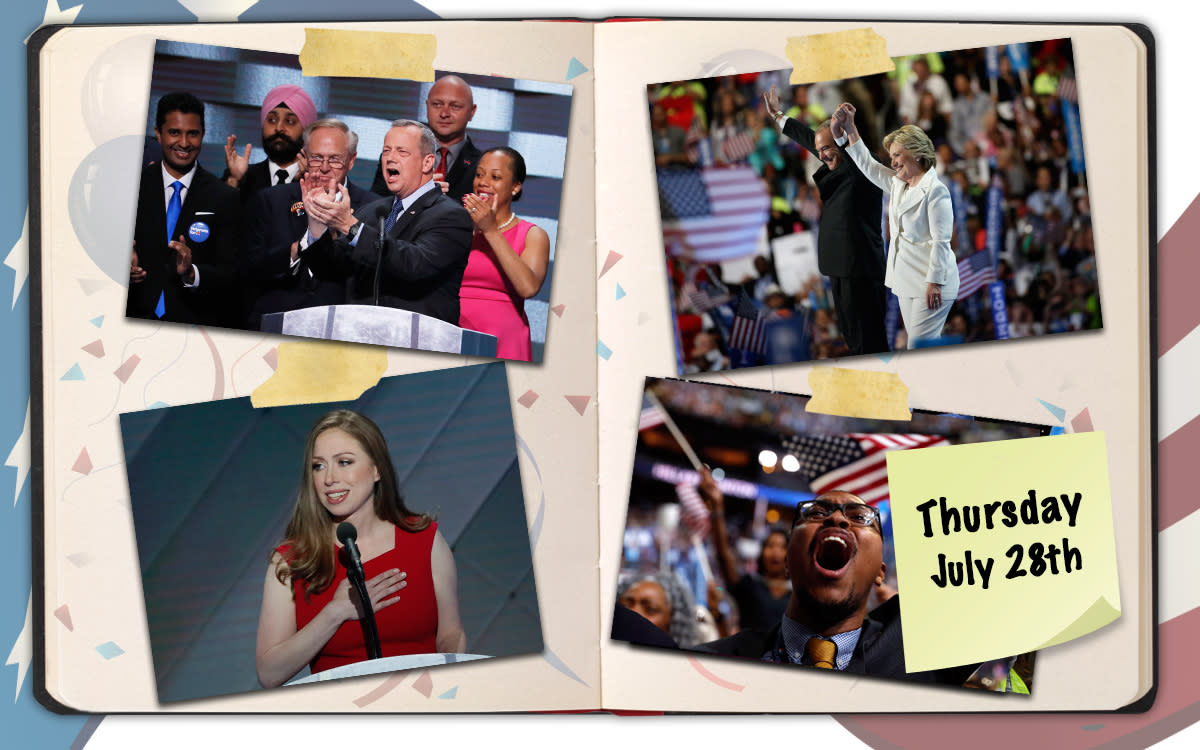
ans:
(603, 350)
(74, 373)
(575, 68)
(64, 616)
(527, 399)
(424, 684)
(579, 402)
(272, 358)
(1059, 413)
(1082, 422)
(609, 262)
(450, 694)
(620, 292)
(99, 321)
(91, 286)
(126, 369)
(96, 348)
(558, 310)
(109, 650)
(83, 464)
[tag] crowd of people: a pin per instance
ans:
(759, 577)
(435, 234)
(1004, 128)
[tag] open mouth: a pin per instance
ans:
(833, 550)
(391, 173)
(335, 498)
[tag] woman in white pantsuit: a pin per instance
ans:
(921, 268)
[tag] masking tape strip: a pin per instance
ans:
(310, 372)
(370, 54)
(858, 393)
(837, 55)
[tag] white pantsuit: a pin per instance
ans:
(922, 221)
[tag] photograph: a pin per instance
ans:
(263, 533)
(760, 530)
(385, 211)
(942, 203)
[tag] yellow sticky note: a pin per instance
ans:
(858, 393)
(1002, 547)
(310, 372)
(370, 54)
(837, 55)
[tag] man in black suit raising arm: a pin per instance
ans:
(276, 222)
(834, 560)
(448, 108)
(183, 266)
(850, 239)
(427, 236)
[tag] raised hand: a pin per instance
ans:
(236, 163)
(771, 100)
(310, 188)
(482, 211)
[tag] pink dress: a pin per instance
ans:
(487, 301)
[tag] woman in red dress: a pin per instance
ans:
(508, 257)
(309, 615)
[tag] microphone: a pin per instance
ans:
(381, 213)
(348, 536)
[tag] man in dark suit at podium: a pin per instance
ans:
(448, 108)
(427, 235)
(276, 222)
(183, 266)
(850, 241)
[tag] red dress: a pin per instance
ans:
(487, 301)
(407, 627)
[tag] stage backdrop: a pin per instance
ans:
(213, 485)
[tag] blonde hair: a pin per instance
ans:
(913, 140)
(311, 551)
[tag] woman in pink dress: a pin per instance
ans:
(508, 258)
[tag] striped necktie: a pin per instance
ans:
(820, 652)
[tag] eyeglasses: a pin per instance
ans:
(858, 514)
(335, 162)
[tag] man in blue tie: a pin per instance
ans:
(427, 235)
(183, 266)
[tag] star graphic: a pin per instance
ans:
(57, 15)
(18, 260)
(217, 10)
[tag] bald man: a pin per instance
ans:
(448, 108)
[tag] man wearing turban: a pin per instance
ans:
(286, 111)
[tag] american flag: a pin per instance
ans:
(855, 463)
(650, 416)
(974, 272)
(1067, 90)
(747, 333)
(694, 513)
(702, 301)
(737, 147)
(715, 213)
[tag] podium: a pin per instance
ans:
(382, 326)
(387, 664)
